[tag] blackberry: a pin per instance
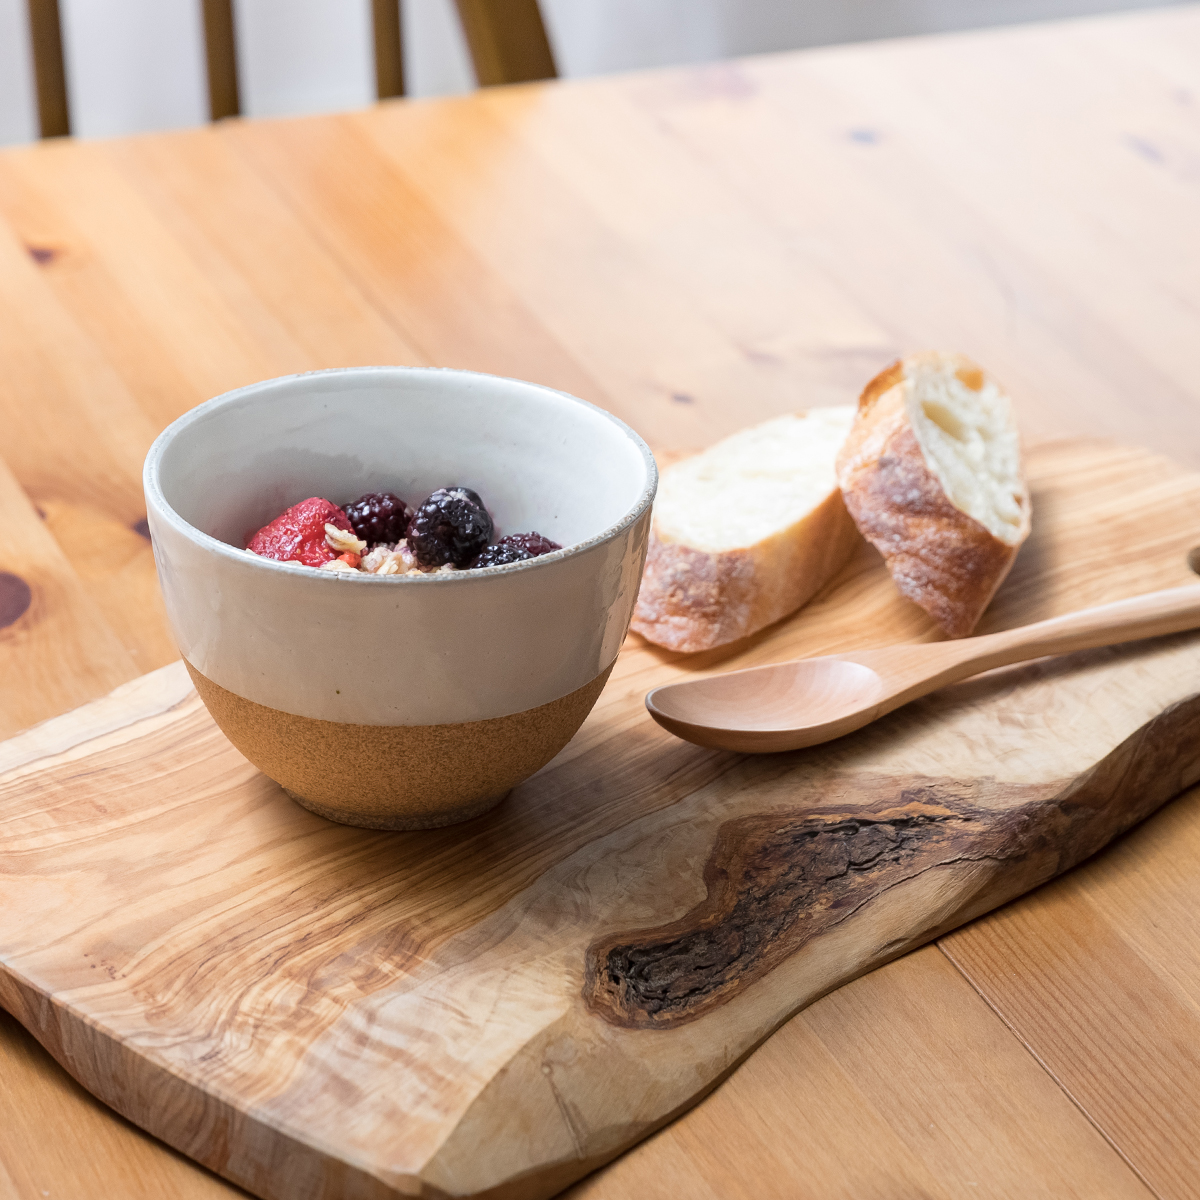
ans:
(499, 554)
(452, 526)
(379, 517)
(534, 544)
(516, 547)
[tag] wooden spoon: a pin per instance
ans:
(785, 706)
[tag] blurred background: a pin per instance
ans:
(135, 65)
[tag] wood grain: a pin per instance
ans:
(127, 283)
(270, 276)
(687, 344)
(774, 884)
(250, 983)
(47, 616)
(898, 1084)
(1097, 976)
(412, 267)
(94, 1152)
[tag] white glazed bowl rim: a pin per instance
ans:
(154, 492)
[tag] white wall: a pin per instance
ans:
(596, 36)
(18, 112)
(138, 64)
(436, 62)
(302, 56)
(133, 65)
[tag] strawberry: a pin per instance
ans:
(299, 533)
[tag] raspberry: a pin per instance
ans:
(452, 526)
(299, 533)
(499, 554)
(534, 544)
(379, 517)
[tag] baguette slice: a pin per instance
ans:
(931, 474)
(746, 532)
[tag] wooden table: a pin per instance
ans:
(694, 250)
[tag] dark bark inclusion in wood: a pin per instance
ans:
(778, 880)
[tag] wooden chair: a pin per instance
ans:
(506, 38)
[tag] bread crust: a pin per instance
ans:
(694, 600)
(940, 557)
(691, 600)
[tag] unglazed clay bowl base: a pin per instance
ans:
(397, 776)
(438, 821)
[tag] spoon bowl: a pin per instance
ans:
(756, 705)
(787, 706)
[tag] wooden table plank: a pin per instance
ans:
(1098, 975)
(72, 429)
(279, 282)
(918, 197)
(81, 1148)
(74, 438)
(47, 621)
(856, 1097)
(1010, 164)
(694, 317)
(162, 325)
(400, 252)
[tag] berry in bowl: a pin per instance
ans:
(403, 659)
(379, 534)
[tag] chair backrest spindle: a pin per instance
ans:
(49, 71)
(220, 52)
(389, 59)
(507, 40)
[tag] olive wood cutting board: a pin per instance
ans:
(318, 1011)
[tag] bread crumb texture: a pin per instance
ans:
(752, 484)
(968, 437)
(746, 532)
(931, 474)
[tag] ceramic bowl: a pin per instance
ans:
(399, 702)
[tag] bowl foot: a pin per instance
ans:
(401, 820)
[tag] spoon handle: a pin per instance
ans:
(1173, 610)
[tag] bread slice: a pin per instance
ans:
(931, 474)
(746, 532)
